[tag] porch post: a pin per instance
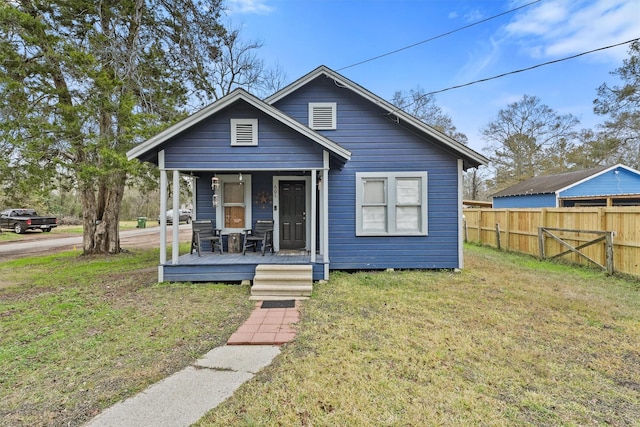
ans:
(324, 225)
(194, 197)
(163, 209)
(314, 192)
(175, 245)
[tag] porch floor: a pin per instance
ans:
(283, 257)
(232, 267)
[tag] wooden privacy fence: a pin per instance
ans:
(518, 230)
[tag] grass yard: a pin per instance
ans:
(508, 341)
(78, 334)
(60, 231)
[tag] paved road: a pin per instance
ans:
(45, 243)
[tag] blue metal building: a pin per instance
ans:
(617, 185)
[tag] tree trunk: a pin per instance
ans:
(101, 207)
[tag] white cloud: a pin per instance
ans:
(559, 28)
(473, 16)
(249, 6)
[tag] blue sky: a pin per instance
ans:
(300, 35)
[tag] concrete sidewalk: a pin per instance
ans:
(183, 398)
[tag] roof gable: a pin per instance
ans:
(234, 97)
(470, 157)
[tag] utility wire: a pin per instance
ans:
(530, 68)
(439, 36)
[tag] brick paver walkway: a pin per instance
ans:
(267, 326)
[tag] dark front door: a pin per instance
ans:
(292, 215)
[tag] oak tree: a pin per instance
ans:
(620, 142)
(527, 139)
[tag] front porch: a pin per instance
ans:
(232, 267)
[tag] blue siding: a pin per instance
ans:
(378, 143)
(207, 145)
(614, 182)
(525, 201)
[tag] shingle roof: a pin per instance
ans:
(548, 184)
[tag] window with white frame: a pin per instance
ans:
(391, 204)
(244, 132)
(233, 213)
(322, 115)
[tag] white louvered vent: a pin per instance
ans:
(322, 115)
(244, 131)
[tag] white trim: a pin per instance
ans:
(324, 209)
(276, 208)
(175, 225)
(235, 169)
(245, 142)
(160, 273)
(313, 210)
(194, 197)
(325, 108)
(390, 180)
(163, 208)
(460, 215)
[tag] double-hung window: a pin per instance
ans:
(391, 204)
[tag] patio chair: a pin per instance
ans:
(261, 234)
(203, 231)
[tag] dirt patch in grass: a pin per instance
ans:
(509, 341)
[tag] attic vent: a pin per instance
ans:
(322, 115)
(244, 131)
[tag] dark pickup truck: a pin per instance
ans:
(21, 220)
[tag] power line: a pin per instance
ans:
(530, 68)
(438, 36)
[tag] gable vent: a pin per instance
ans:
(244, 131)
(322, 115)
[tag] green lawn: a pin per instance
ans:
(78, 334)
(508, 341)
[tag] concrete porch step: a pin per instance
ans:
(278, 281)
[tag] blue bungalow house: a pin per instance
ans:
(617, 185)
(350, 181)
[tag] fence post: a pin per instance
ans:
(498, 236)
(609, 252)
(541, 242)
(466, 229)
(507, 231)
